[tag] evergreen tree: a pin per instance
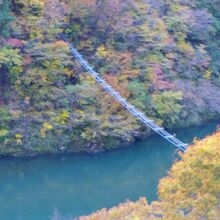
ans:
(5, 17)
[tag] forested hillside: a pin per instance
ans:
(162, 55)
(190, 191)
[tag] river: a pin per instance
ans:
(73, 185)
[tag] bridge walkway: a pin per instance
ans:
(130, 108)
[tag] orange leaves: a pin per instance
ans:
(129, 74)
(118, 63)
(59, 47)
(109, 105)
(121, 87)
(125, 58)
(60, 43)
(114, 57)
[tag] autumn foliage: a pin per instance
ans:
(163, 56)
(189, 191)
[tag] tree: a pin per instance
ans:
(189, 192)
(191, 189)
(167, 106)
(139, 94)
(5, 17)
(10, 65)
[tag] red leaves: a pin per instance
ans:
(15, 42)
(159, 80)
(27, 60)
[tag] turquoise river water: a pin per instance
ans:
(73, 185)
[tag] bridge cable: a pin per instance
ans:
(130, 108)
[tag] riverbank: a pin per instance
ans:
(76, 185)
(79, 148)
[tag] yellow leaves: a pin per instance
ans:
(67, 72)
(101, 52)
(145, 31)
(65, 115)
(37, 3)
(55, 64)
(36, 32)
(18, 138)
(46, 126)
(190, 191)
(16, 69)
(3, 132)
(194, 181)
(62, 118)
(149, 76)
(207, 75)
(186, 47)
(177, 7)
(86, 45)
(127, 211)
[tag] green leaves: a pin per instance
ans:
(10, 64)
(11, 59)
(139, 94)
(167, 105)
(5, 18)
(143, 49)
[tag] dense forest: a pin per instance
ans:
(190, 191)
(162, 55)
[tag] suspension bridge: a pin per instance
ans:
(130, 108)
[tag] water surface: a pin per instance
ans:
(32, 189)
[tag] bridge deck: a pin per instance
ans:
(132, 109)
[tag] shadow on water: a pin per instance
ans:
(80, 184)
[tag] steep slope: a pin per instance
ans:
(163, 56)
